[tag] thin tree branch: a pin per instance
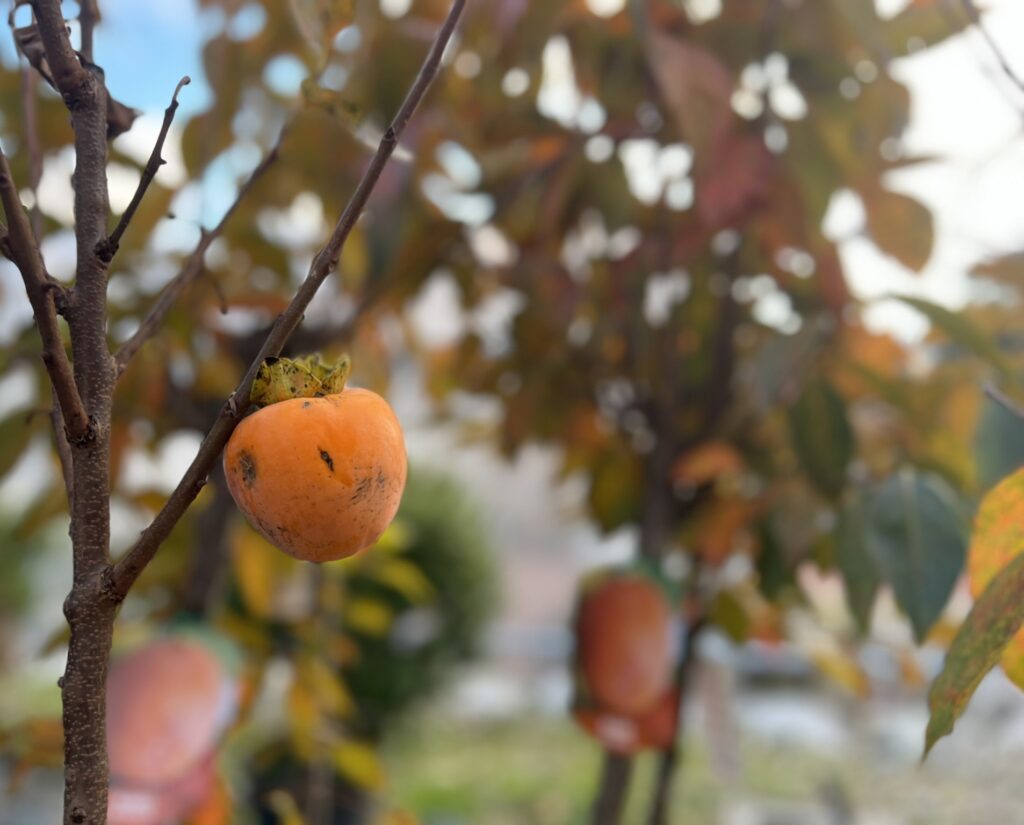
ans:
(22, 246)
(672, 756)
(30, 113)
(193, 266)
(108, 247)
(88, 16)
(613, 788)
(60, 438)
(1003, 400)
(126, 570)
(65, 68)
(1004, 64)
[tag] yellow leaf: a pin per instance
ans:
(368, 616)
(406, 578)
(330, 692)
(358, 762)
(842, 670)
(303, 716)
(283, 805)
(266, 576)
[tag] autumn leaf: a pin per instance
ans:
(697, 88)
(993, 621)
(900, 225)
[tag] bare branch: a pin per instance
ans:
(88, 17)
(126, 570)
(24, 250)
(64, 66)
(1004, 64)
(1003, 400)
(30, 112)
(193, 266)
(108, 247)
(60, 438)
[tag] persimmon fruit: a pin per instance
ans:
(168, 702)
(319, 475)
(654, 729)
(190, 797)
(624, 643)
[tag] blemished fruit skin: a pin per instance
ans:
(653, 730)
(320, 478)
(131, 805)
(168, 703)
(624, 638)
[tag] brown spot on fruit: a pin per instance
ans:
(247, 465)
(325, 457)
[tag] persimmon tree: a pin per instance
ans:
(680, 324)
(83, 376)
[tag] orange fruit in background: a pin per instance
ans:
(196, 795)
(168, 703)
(320, 478)
(997, 538)
(653, 730)
(624, 638)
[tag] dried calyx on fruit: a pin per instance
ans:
(319, 470)
(281, 379)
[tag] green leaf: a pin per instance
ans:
(901, 227)
(986, 631)
(822, 436)
(17, 431)
(960, 330)
(860, 574)
(914, 536)
(998, 443)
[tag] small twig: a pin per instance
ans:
(30, 111)
(1004, 64)
(126, 570)
(88, 16)
(67, 73)
(108, 247)
(1003, 400)
(193, 266)
(24, 250)
(64, 453)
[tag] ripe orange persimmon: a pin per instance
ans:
(624, 640)
(320, 477)
(652, 730)
(168, 702)
(199, 791)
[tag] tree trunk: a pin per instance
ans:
(671, 757)
(83, 689)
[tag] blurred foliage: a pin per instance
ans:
(628, 210)
(441, 599)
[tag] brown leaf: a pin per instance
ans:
(736, 183)
(697, 88)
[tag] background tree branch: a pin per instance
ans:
(193, 267)
(108, 247)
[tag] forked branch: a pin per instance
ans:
(193, 267)
(23, 249)
(125, 571)
(108, 247)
